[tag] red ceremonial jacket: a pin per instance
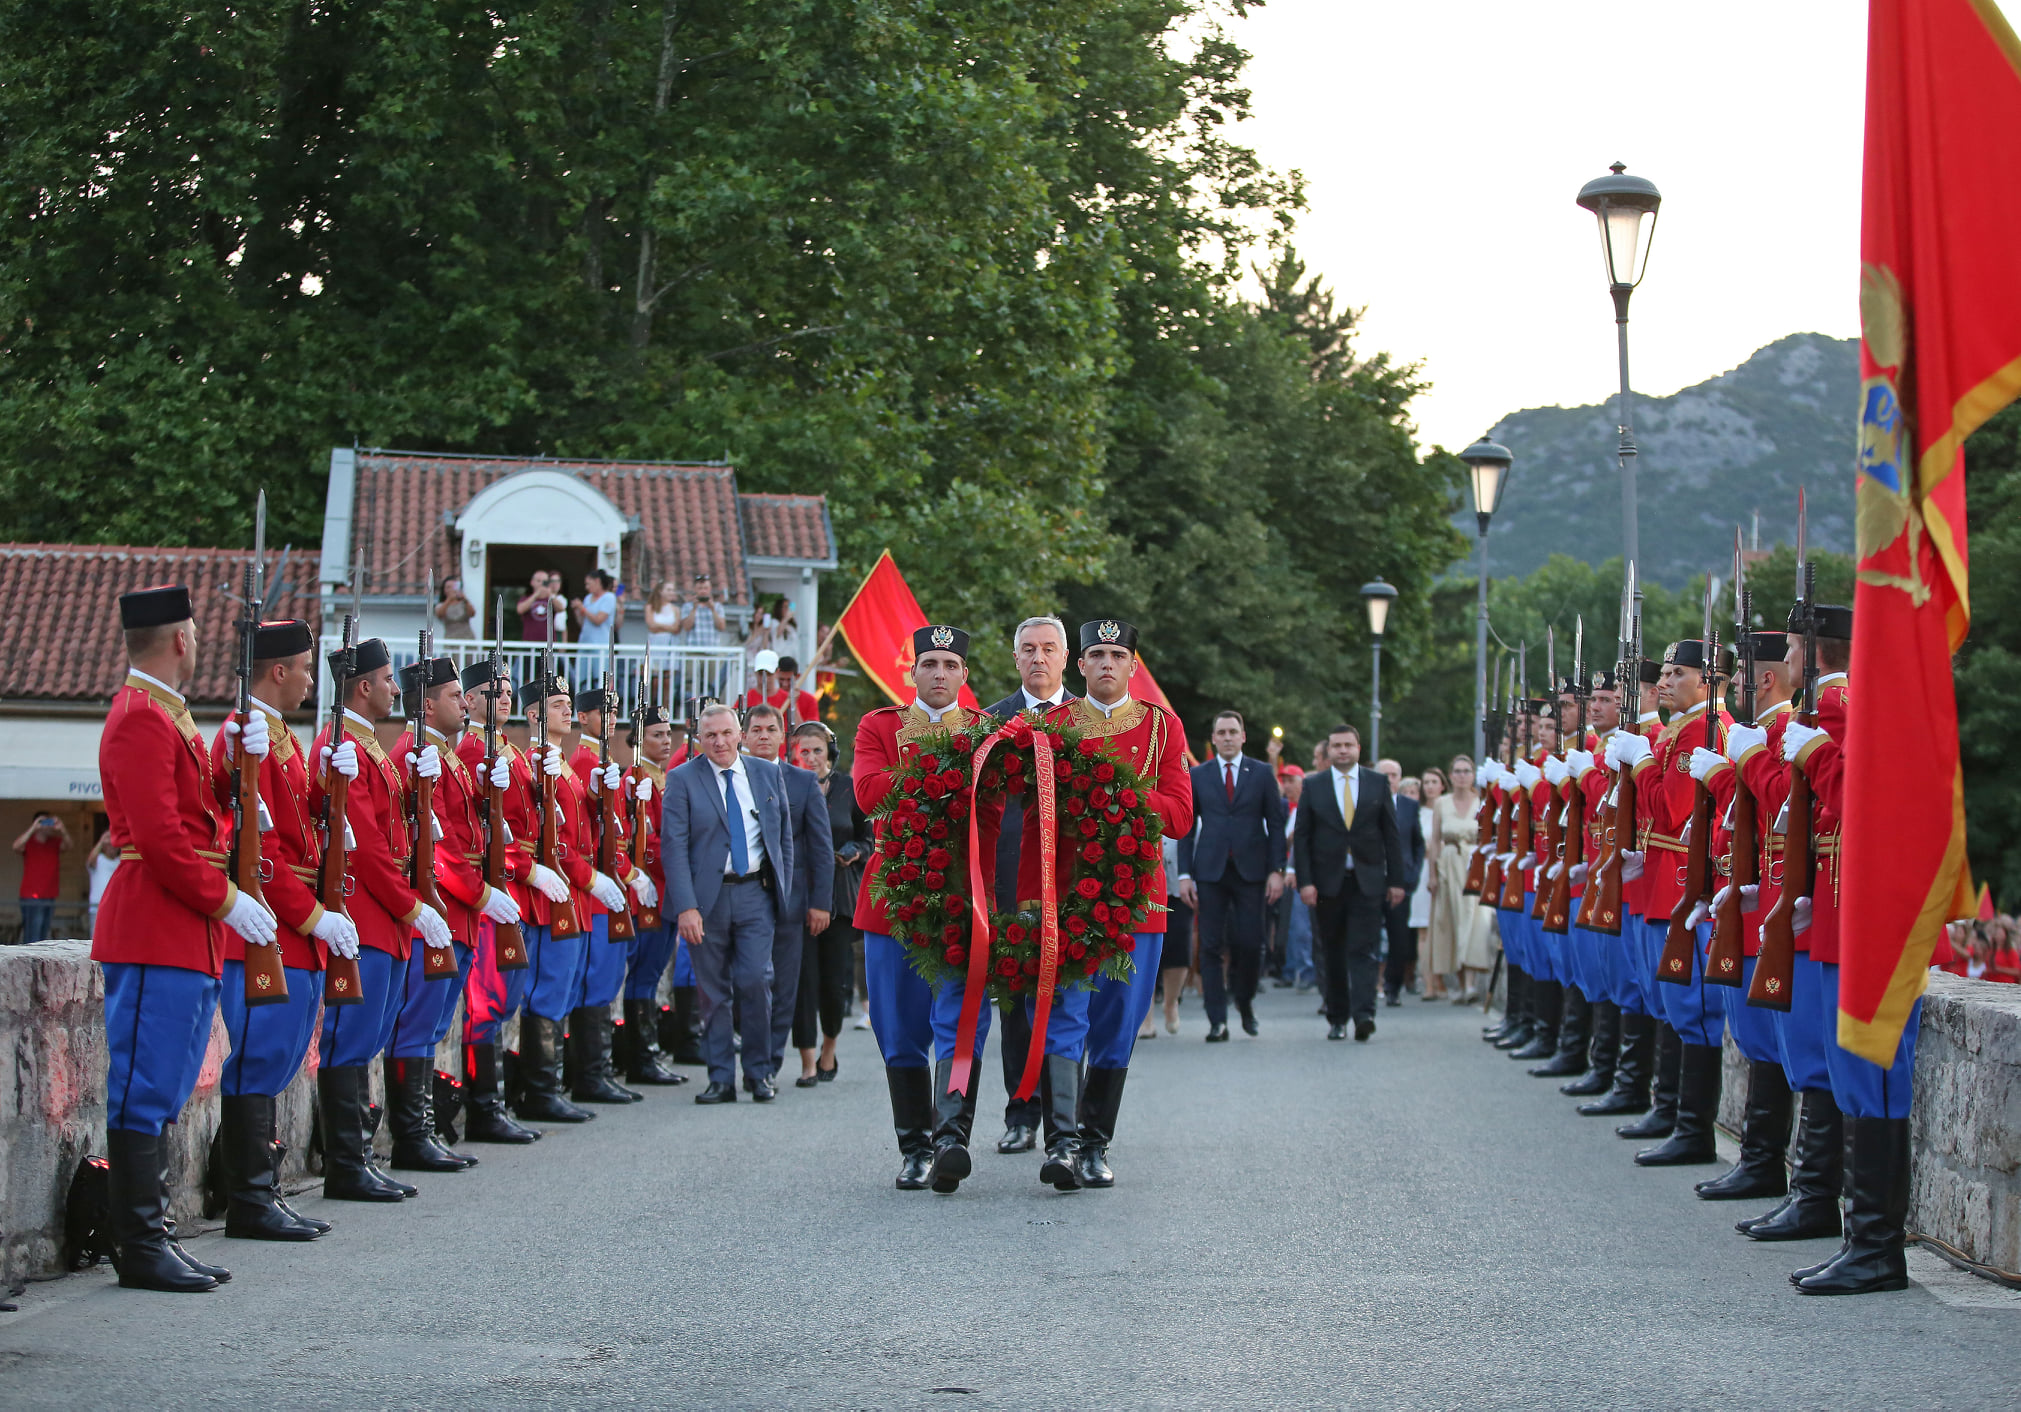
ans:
(459, 846)
(1664, 794)
(290, 842)
(1763, 774)
(879, 736)
(1823, 760)
(382, 904)
(518, 820)
(646, 847)
(166, 903)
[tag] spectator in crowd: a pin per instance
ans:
(1460, 925)
(1431, 787)
(543, 603)
(828, 962)
(776, 676)
(1402, 957)
(455, 611)
(596, 612)
(1319, 765)
(1298, 964)
(1231, 868)
(104, 859)
(704, 625)
(1179, 942)
(41, 846)
(663, 631)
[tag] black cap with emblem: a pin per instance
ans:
(372, 655)
(154, 607)
(1108, 632)
(479, 673)
(541, 688)
(1833, 621)
(654, 715)
(594, 700)
(289, 638)
(1605, 680)
(1691, 653)
(420, 678)
(938, 637)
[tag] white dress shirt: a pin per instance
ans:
(1033, 703)
(754, 836)
(154, 681)
(1121, 702)
(931, 714)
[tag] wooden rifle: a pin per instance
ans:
(436, 963)
(1484, 816)
(341, 982)
(1505, 812)
(1680, 940)
(1524, 828)
(1552, 838)
(1725, 961)
(1601, 910)
(1775, 965)
(266, 977)
(1572, 834)
(508, 942)
(648, 917)
(610, 819)
(563, 921)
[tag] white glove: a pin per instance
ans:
(1704, 762)
(1526, 862)
(499, 906)
(613, 775)
(1631, 751)
(1795, 737)
(550, 883)
(551, 764)
(607, 892)
(1555, 869)
(501, 773)
(644, 790)
(642, 887)
(344, 760)
(1750, 895)
(427, 765)
(434, 931)
(251, 921)
(1505, 859)
(1527, 774)
(1631, 865)
(1579, 871)
(1579, 762)
(1489, 773)
(1556, 771)
(339, 933)
(1741, 739)
(257, 743)
(1800, 915)
(1699, 913)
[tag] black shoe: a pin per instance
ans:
(1101, 1101)
(414, 1146)
(1362, 1030)
(1547, 1003)
(1393, 1001)
(1059, 1103)
(1602, 1053)
(762, 1091)
(374, 1115)
(1575, 1029)
(953, 1117)
(805, 1081)
(827, 1075)
(1018, 1137)
(139, 1217)
(1518, 1035)
(218, 1274)
(1811, 1211)
(1764, 1137)
(1336, 1031)
(1514, 1006)
(644, 1063)
(1631, 1066)
(486, 1119)
(717, 1093)
(253, 1209)
(1217, 1034)
(347, 1174)
(1690, 1142)
(680, 1039)
(1877, 1212)
(589, 1042)
(1249, 1025)
(539, 1072)
(912, 1120)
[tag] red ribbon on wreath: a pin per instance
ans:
(1012, 732)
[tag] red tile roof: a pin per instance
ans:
(689, 516)
(60, 641)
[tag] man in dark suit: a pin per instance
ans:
(1230, 869)
(811, 895)
(1040, 645)
(1350, 864)
(1403, 948)
(726, 846)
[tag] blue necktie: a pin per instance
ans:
(740, 859)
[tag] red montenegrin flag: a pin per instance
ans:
(1940, 352)
(878, 625)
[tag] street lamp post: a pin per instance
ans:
(1489, 465)
(1625, 206)
(1376, 597)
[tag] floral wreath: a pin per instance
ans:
(923, 876)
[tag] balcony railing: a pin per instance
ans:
(671, 676)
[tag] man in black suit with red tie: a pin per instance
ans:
(1230, 869)
(1350, 862)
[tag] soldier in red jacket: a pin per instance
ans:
(388, 916)
(590, 1034)
(161, 929)
(652, 741)
(269, 1042)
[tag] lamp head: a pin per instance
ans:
(1625, 206)
(1488, 469)
(1376, 597)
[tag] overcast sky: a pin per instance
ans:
(1444, 143)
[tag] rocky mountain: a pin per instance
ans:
(1711, 457)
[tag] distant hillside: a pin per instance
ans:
(1711, 455)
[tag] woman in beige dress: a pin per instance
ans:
(1460, 926)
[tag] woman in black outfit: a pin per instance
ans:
(828, 961)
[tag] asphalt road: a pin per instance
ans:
(1406, 1223)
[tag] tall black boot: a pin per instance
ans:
(912, 1120)
(246, 1143)
(1511, 1005)
(1812, 1210)
(1634, 1061)
(415, 1148)
(1101, 1100)
(320, 1227)
(139, 1217)
(488, 1121)
(589, 1041)
(953, 1119)
(1550, 1007)
(1575, 1027)
(1877, 1212)
(1601, 1051)
(347, 1175)
(1524, 1009)
(680, 1036)
(540, 1073)
(643, 1062)
(373, 1116)
(1662, 1114)
(1060, 1118)
(1690, 1142)
(1764, 1137)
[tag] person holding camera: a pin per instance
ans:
(41, 846)
(542, 602)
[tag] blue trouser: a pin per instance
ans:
(1297, 943)
(735, 960)
(426, 1007)
(1618, 960)
(1117, 1009)
(604, 968)
(684, 964)
(1863, 1088)
(1643, 956)
(1697, 1011)
(158, 1029)
(1514, 946)
(1066, 1021)
(557, 965)
(36, 916)
(1801, 1032)
(358, 1034)
(649, 962)
(1754, 1029)
(901, 1004)
(268, 1042)
(483, 1028)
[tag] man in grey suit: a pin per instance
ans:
(812, 894)
(727, 850)
(1350, 863)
